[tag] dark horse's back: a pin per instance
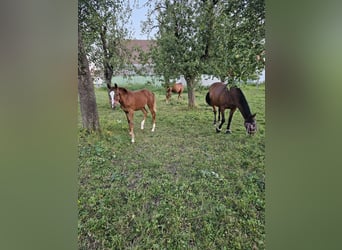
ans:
(215, 91)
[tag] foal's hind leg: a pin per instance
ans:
(152, 106)
(153, 112)
(145, 115)
(129, 116)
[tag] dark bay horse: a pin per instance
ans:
(219, 96)
(131, 101)
(176, 88)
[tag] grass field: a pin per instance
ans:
(182, 187)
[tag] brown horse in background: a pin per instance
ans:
(219, 96)
(176, 88)
(131, 101)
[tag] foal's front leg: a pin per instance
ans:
(129, 115)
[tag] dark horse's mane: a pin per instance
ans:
(242, 101)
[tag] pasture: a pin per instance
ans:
(182, 187)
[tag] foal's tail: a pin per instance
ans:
(207, 99)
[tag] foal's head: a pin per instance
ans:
(168, 93)
(250, 125)
(114, 95)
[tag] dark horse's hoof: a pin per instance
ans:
(228, 131)
(218, 130)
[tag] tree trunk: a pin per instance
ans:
(222, 78)
(90, 119)
(107, 67)
(108, 73)
(190, 83)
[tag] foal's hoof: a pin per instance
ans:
(218, 130)
(228, 131)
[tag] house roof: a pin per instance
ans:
(143, 44)
(135, 45)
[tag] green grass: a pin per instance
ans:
(182, 187)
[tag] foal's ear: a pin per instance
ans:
(108, 86)
(253, 115)
(115, 85)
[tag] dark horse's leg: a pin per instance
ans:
(207, 99)
(214, 110)
(221, 110)
(228, 131)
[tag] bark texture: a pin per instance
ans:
(86, 93)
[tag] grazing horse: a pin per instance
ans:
(219, 96)
(176, 88)
(131, 101)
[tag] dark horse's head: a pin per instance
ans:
(250, 124)
(113, 94)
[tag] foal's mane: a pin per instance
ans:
(123, 89)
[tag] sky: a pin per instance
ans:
(138, 15)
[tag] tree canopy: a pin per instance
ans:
(213, 37)
(103, 24)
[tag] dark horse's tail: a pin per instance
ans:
(207, 99)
